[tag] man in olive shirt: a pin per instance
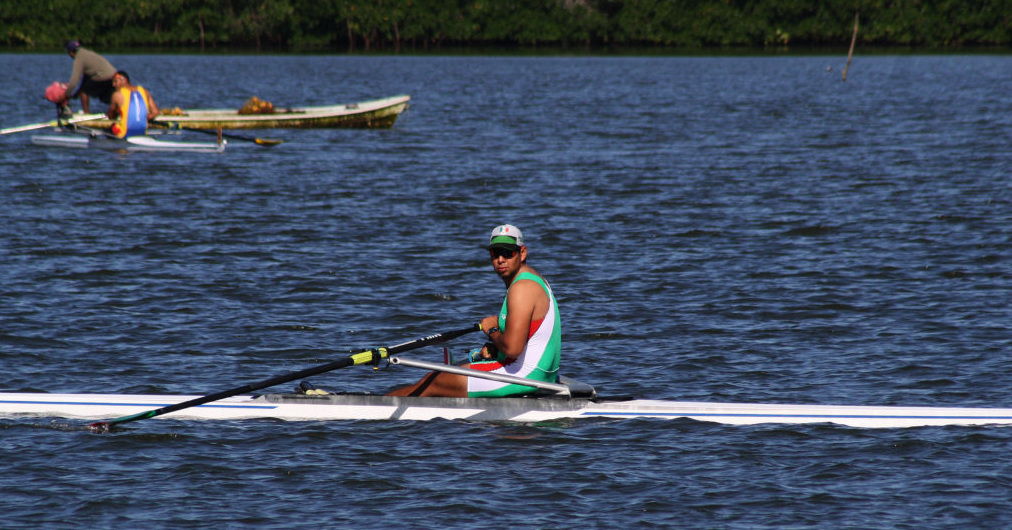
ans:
(91, 77)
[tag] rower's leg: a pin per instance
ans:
(436, 384)
(85, 103)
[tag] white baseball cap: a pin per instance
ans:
(506, 236)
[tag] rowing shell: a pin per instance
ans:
(134, 143)
(302, 407)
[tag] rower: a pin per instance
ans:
(131, 107)
(524, 339)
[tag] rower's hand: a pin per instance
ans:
(488, 323)
(487, 352)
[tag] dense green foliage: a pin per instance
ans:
(424, 24)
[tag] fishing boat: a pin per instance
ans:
(564, 400)
(375, 114)
(81, 138)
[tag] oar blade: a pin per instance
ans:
(101, 427)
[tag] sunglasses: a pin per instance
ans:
(504, 252)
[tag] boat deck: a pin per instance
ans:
(301, 407)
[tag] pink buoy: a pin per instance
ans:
(56, 91)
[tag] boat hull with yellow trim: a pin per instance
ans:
(375, 114)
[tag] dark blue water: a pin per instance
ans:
(716, 229)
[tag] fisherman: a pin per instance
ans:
(524, 339)
(131, 107)
(91, 77)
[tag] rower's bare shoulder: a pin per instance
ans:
(526, 288)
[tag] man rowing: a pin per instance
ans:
(524, 339)
(131, 107)
(91, 76)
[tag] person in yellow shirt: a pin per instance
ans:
(131, 107)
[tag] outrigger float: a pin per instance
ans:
(77, 132)
(84, 138)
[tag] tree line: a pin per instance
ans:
(374, 25)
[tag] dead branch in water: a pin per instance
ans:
(853, 40)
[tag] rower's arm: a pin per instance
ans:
(114, 104)
(76, 76)
(153, 111)
(522, 300)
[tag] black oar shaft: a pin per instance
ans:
(251, 387)
(365, 357)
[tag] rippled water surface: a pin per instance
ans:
(716, 229)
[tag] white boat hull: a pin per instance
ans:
(135, 143)
(297, 407)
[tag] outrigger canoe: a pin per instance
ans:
(564, 400)
(84, 139)
(375, 114)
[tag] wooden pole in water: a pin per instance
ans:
(853, 40)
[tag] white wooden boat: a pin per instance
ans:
(375, 114)
(84, 139)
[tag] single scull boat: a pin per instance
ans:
(565, 400)
(527, 409)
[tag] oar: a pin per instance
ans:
(53, 123)
(92, 131)
(366, 357)
(259, 141)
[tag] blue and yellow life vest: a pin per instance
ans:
(133, 114)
